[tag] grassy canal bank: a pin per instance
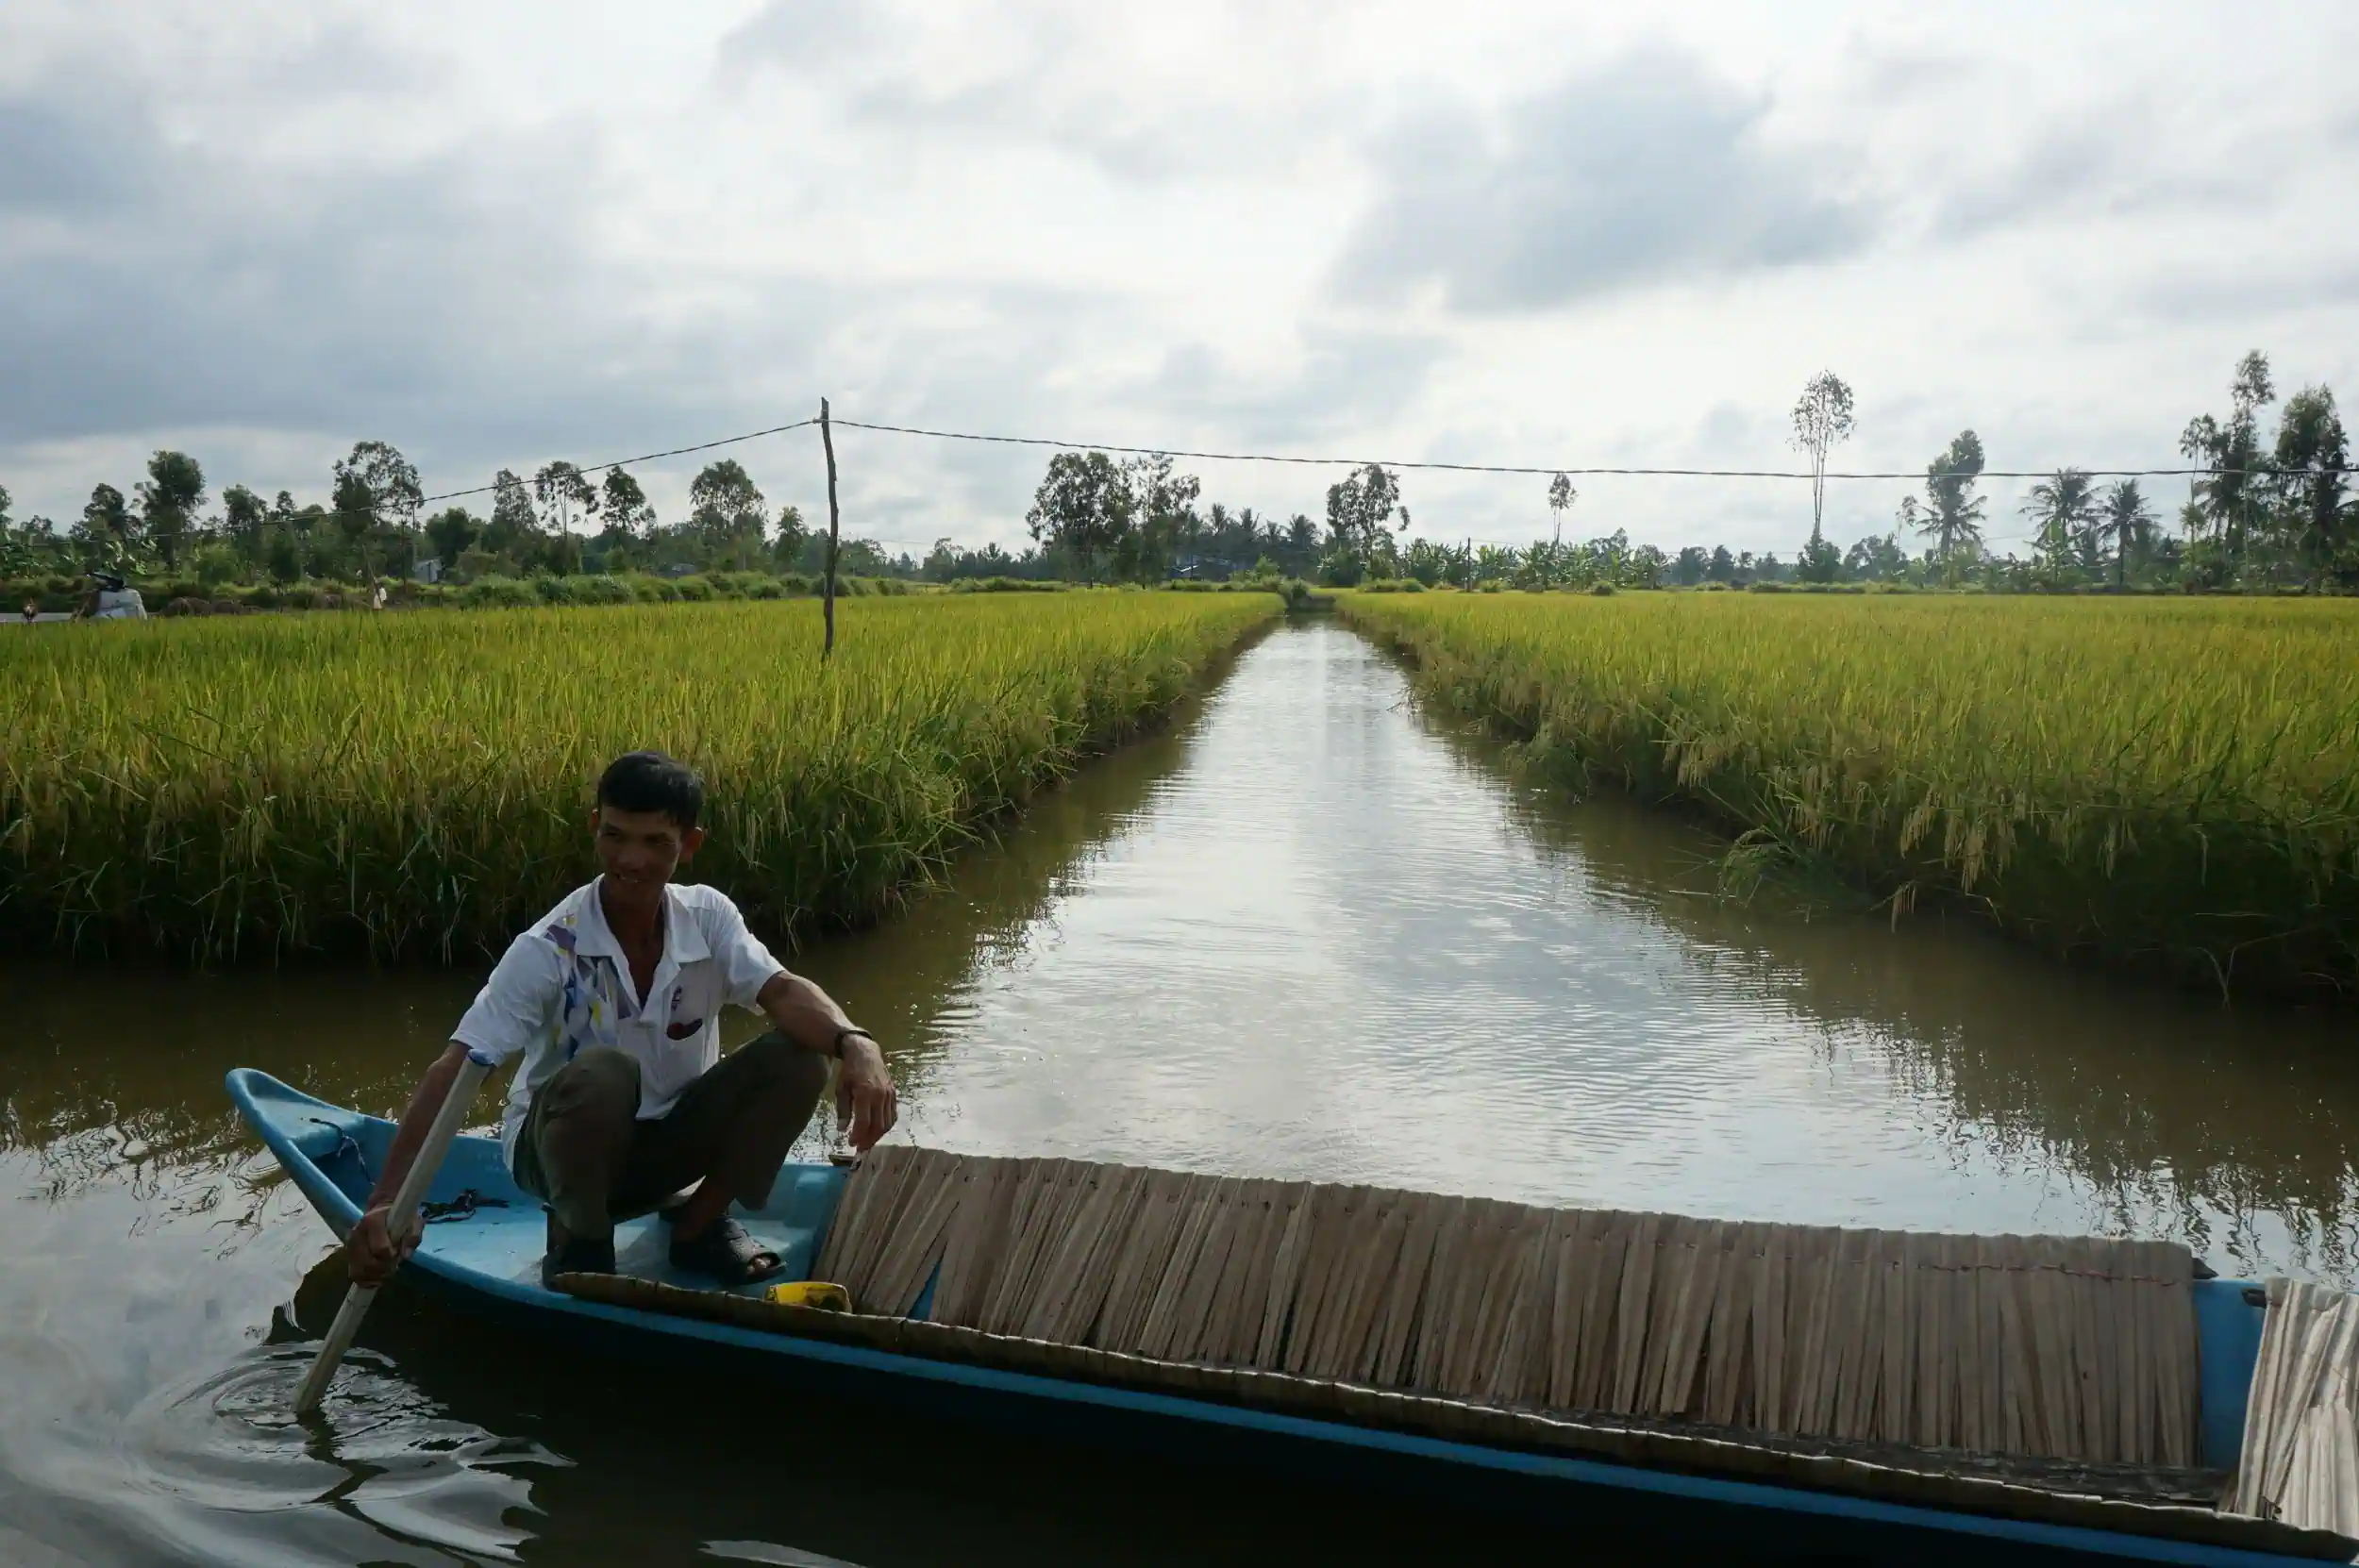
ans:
(415, 785)
(2170, 783)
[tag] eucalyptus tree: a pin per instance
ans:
(1561, 498)
(19, 557)
(514, 530)
(1162, 516)
(452, 532)
(106, 527)
(624, 504)
(2311, 473)
(564, 490)
(243, 517)
(2228, 497)
(376, 493)
(727, 512)
(1822, 422)
(169, 496)
(1081, 507)
(1360, 512)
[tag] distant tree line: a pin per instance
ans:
(2264, 511)
(560, 522)
(1095, 519)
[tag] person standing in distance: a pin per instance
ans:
(613, 999)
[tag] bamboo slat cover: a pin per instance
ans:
(2070, 1349)
(2301, 1458)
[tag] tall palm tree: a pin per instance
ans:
(1953, 513)
(2064, 507)
(2231, 496)
(2125, 520)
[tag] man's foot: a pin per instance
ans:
(577, 1254)
(724, 1251)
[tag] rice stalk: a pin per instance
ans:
(415, 785)
(2167, 783)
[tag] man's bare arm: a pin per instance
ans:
(863, 1088)
(370, 1252)
(803, 1012)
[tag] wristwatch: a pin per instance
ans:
(843, 1034)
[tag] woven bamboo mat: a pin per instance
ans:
(2065, 1348)
(2301, 1458)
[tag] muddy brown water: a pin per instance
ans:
(1308, 932)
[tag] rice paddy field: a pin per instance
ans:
(417, 784)
(2173, 783)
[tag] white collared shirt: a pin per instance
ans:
(564, 985)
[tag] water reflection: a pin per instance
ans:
(1306, 932)
(114, 1073)
(2179, 1115)
(1335, 939)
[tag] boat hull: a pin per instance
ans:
(484, 1266)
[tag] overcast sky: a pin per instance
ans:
(1550, 234)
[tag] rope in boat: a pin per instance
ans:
(2069, 1348)
(2301, 1458)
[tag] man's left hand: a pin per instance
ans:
(865, 1095)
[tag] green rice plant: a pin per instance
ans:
(1007, 585)
(419, 784)
(2172, 782)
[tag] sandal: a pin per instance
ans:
(577, 1254)
(724, 1251)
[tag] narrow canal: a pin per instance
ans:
(1308, 932)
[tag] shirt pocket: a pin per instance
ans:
(696, 997)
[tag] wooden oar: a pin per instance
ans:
(401, 1221)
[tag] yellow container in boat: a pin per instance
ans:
(815, 1293)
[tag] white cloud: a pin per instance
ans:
(1646, 172)
(495, 234)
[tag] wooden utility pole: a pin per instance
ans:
(827, 590)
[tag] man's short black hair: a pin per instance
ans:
(651, 781)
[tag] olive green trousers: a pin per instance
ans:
(585, 1153)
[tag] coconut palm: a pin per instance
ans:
(1953, 513)
(2064, 508)
(2127, 521)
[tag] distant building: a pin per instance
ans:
(428, 569)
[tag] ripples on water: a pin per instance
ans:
(1308, 933)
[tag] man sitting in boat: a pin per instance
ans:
(623, 1099)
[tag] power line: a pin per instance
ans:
(1529, 469)
(589, 468)
(626, 463)
(1513, 469)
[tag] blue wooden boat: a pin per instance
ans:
(485, 1260)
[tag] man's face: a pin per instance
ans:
(642, 849)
